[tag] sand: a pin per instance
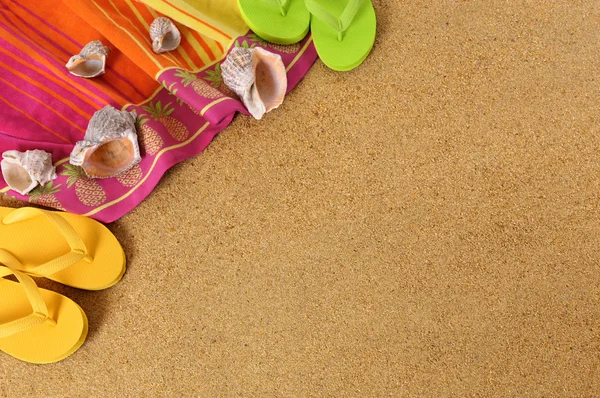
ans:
(426, 225)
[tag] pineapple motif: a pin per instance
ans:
(44, 196)
(88, 191)
(149, 138)
(131, 176)
(199, 86)
(290, 49)
(174, 127)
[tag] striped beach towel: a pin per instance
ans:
(179, 96)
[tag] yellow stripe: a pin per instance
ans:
(215, 102)
(180, 50)
(147, 100)
(143, 34)
(65, 160)
(213, 45)
(302, 51)
(158, 64)
(132, 190)
(105, 206)
(196, 46)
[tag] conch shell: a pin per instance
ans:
(110, 146)
(90, 62)
(23, 171)
(164, 34)
(257, 76)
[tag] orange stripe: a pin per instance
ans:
(198, 20)
(220, 47)
(189, 50)
(57, 39)
(144, 11)
(201, 41)
(44, 104)
(177, 54)
(180, 54)
(20, 26)
(139, 28)
(35, 121)
(60, 82)
(46, 89)
(31, 35)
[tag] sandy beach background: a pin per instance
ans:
(426, 225)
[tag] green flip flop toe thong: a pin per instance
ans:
(343, 31)
(277, 21)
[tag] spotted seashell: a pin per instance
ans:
(164, 34)
(90, 62)
(110, 146)
(24, 171)
(257, 76)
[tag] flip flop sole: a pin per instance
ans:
(44, 343)
(267, 22)
(357, 40)
(36, 241)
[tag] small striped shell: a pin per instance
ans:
(164, 34)
(23, 171)
(90, 62)
(110, 146)
(257, 76)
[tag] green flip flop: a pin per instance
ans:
(277, 21)
(343, 31)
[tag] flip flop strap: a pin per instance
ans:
(40, 311)
(340, 23)
(78, 249)
(282, 4)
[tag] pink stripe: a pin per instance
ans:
(46, 98)
(43, 115)
(65, 74)
(68, 55)
(60, 91)
(19, 126)
(78, 45)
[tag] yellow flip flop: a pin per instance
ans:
(67, 248)
(37, 325)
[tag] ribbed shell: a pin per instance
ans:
(90, 62)
(257, 76)
(237, 71)
(159, 29)
(37, 165)
(94, 48)
(107, 125)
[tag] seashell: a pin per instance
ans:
(257, 76)
(110, 146)
(23, 171)
(90, 62)
(164, 34)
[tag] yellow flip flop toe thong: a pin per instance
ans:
(37, 325)
(70, 249)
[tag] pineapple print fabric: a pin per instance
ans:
(179, 96)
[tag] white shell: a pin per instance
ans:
(164, 34)
(90, 62)
(257, 76)
(23, 171)
(110, 146)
